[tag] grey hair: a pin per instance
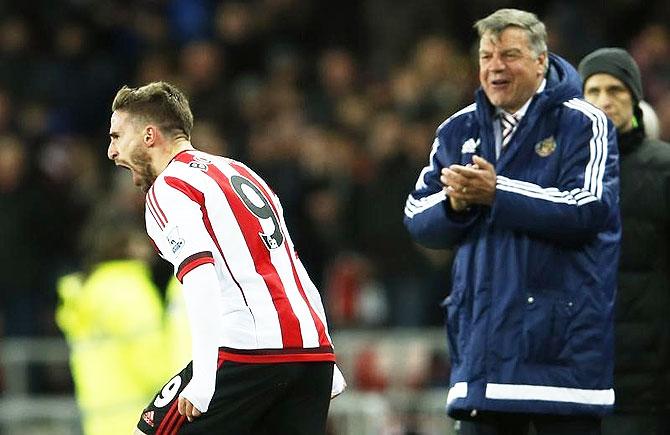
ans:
(528, 21)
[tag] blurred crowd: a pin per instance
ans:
(335, 104)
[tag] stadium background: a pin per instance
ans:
(333, 103)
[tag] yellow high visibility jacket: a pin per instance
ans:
(177, 329)
(113, 322)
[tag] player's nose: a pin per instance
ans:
(112, 152)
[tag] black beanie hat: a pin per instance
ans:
(616, 62)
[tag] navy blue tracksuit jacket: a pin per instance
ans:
(530, 313)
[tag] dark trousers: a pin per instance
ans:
(249, 399)
(529, 424)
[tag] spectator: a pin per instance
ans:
(642, 365)
(112, 317)
(19, 204)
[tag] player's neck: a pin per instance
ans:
(165, 158)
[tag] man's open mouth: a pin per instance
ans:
(499, 82)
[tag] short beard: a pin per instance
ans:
(142, 162)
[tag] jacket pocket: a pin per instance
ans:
(451, 308)
(545, 328)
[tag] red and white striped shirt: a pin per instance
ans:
(205, 209)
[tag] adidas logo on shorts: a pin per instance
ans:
(148, 417)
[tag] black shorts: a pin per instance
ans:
(249, 399)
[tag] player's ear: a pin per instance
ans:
(150, 135)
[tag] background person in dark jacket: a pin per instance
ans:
(523, 185)
(642, 316)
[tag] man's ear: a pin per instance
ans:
(543, 59)
(150, 135)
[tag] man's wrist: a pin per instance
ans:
(458, 205)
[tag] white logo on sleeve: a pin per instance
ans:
(469, 146)
(176, 242)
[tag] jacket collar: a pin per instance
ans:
(562, 84)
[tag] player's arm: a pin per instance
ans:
(202, 299)
(187, 244)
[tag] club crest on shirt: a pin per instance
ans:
(545, 147)
(176, 242)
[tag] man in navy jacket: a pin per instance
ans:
(523, 185)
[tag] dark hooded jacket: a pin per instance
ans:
(530, 314)
(642, 366)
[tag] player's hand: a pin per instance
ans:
(185, 407)
(339, 383)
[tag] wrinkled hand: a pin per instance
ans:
(185, 407)
(471, 184)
